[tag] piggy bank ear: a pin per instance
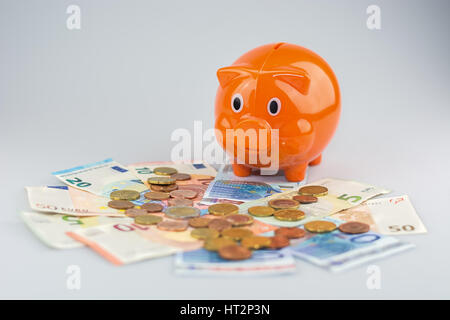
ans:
(299, 81)
(228, 74)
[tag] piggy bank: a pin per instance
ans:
(277, 88)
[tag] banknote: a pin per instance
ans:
(101, 178)
(69, 201)
(51, 228)
(227, 187)
(120, 244)
(263, 262)
(337, 251)
(342, 194)
(392, 216)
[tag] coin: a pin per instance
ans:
(204, 233)
(199, 222)
(181, 176)
(283, 204)
(180, 202)
(214, 244)
(237, 233)
(183, 193)
(133, 212)
(354, 227)
(172, 225)
(222, 209)
(261, 211)
(234, 252)
(290, 232)
(316, 191)
(239, 220)
(165, 171)
(320, 226)
(147, 219)
(219, 224)
(120, 204)
(256, 242)
(163, 188)
(124, 195)
(305, 199)
(278, 242)
(152, 207)
(289, 215)
(182, 212)
(154, 195)
(161, 180)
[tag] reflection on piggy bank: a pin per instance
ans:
(277, 88)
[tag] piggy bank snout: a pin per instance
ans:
(256, 128)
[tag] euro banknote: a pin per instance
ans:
(392, 216)
(101, 178)
(51, 228)
(342, 194)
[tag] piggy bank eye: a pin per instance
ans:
(237, 102)
(274, 106)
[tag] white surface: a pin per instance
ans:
(138, 70)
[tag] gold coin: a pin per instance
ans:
(161, 180)
(204, 233)
(261, 211)
(316, 191)
(124, 195)
(163, 188)
(154, 195)
(182, 212)
(223, 209)
(147, 219)
(214, 244)
(289, 215)
(120, 204)
(283, 204)
(237, 233)
(256, 242)
(320, 226)
(165, 171)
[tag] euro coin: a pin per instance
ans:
(181, 176)
(354, 227)
(255, 242)
(219, 224)
(289, 215)
(320, 226)
(316, 191)
(214, 244)
(199, 222)
(124, 195)
(152, 207)
(261, 211)
(223, 209)
(147, 219)
(283, 204)
(165, 171)
(234, 252)
(278, 242)
(161, 180)
(154, 195)
(183, 193)
(120, 204)
(237, 233)
(239, 220)
(172, 225)
(204, 233)
(290, 232)
(174, 202)
(133, 212)
(163, 188)
(305, 199)
(182, 212)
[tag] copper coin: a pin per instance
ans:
(199, 222)
(163, 188)
(290, 232)
(305, 199)
(183, 193)
(219, 224)
(234, 252)
(152, 207)
(172, 225)
(133, 212)
(120, 204)
(316, 191)
(354, 227)
(278, 242)
(283, 204)
(174, 202)
(238, 220)
(154, 195)
(181, 176)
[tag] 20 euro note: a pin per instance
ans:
(51, 228)
(342, 194)
(392, 216)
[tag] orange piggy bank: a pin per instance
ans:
(282, 88)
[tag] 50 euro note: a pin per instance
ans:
(342, 194)
(392, 216)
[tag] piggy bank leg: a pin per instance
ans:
(241, 170)
(296, 173)
(316, 161)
